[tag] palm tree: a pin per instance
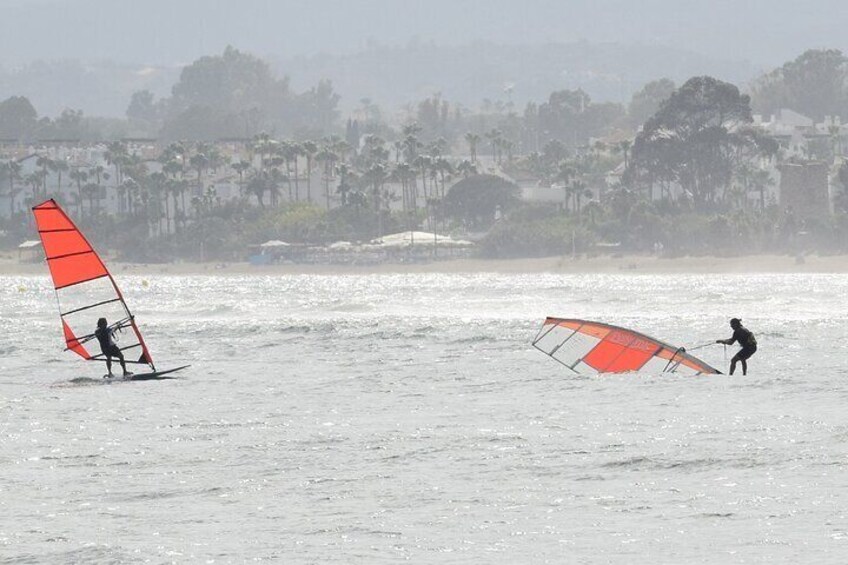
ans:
(178, 188)
(172, 167)
(60, 166)
(199, 162)
(411, 147)
(257, 186)
(99, 172)
(45, 163)
(33, 179)
(344, 188)
(263, 145)
(472, 139)
(240, 167)
(13, 171)
(340, 147)
(295, 151)
(326, 156)
(565, 174)
(131, 190)
(182, 188)
(79, 176)
(216, 158)
(402, 173)
(115, 155)
(159, 185)
(412, 129)
(593, 210)
(578, 191)
(445, 170)
(310, 149)
(423, 163)
(494, 137)
(91, 191)
(273, 180)
(376, 177)
(466, 168)
(280, 156)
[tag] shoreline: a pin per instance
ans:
(628, 264)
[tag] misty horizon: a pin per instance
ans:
(165, 34)
(84, 55)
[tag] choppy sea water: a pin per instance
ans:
(368, 419)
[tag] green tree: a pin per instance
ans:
(815, 84)
(475, 200)
(694, 139)
(647, 101)
(18, 118)
(142, 106)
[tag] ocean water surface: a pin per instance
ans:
(381, 418)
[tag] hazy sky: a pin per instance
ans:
(172, 32)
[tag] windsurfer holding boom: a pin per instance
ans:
(105, 336)
(746, 339)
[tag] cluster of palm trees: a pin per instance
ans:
(156, 196)
(179, 183)
(355, 177)
(282, 164)
(422, 170)
(88, 181)
(170, 189)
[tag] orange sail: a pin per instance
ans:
(85, 289)
(593, 347)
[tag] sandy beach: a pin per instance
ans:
(10, 265)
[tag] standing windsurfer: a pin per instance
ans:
(106, 337)
(746, 339)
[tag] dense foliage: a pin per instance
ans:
(815, 85)
(691, 180)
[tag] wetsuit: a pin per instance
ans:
(746, 339)
(104, 336)
(107, 345)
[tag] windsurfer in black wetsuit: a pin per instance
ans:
(105, 336)
(746, 339)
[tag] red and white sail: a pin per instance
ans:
(593, 347)
(85, 289)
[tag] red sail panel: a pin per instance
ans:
(620, 352)
(50, 217)
(65, 242)
(70, 257)
(75, 269)
(73, 343)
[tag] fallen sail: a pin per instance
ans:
(588, 347)
(85, 290)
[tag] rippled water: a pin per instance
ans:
(381, 418)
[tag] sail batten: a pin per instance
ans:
(84, 287)
(66, 255)
(594, 347)
(89, 307)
